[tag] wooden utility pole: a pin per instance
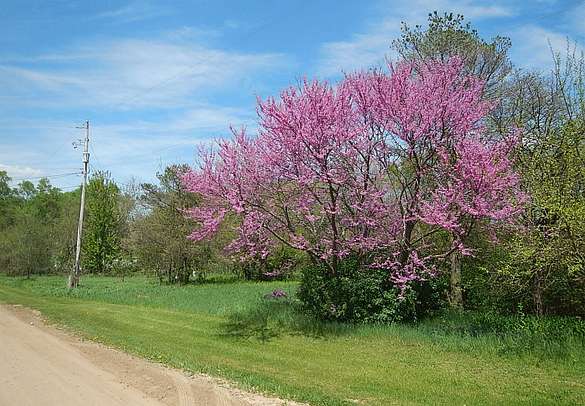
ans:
(76, 271)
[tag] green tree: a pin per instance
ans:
(26, 190)
(7, 201)
(547, 258)
(102, 230)
(27, 242)
(449, 35)
(5, 189)
(64, 231)
(539, 266)
(160, 230)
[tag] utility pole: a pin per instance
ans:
(76, 271)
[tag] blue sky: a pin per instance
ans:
(156, 78)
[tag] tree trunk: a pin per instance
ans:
(456, 295)
(185, 277)
(406, 251)
(537, 293)
(73, 281)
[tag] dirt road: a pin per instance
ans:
(40, 365)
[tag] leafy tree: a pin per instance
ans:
(29, 245)
(449, 35)
(367, 169)
(102, 231)
(554, 245)
(547, 257)
(26, 190)
(64, 231)
(7, 201)
(158, 235)
(5, 189)
(27, 242)
(538, 266)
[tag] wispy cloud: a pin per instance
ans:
(153, 139)
(151, 101)
(19, 172)
(135, 11)
(362, 50)
(132, 72)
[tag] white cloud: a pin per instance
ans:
(171, 77)
(20, 172)
(133, 73)
(213, 118)
(367, 49)
(119, 142)
(136, 11)
(370, 47)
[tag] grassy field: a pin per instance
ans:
(230, 329)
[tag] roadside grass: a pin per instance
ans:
(230, 329)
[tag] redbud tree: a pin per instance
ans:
(370, 167)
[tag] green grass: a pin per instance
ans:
(228, 329)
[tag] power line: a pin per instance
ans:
(58, 175)
(99, 165)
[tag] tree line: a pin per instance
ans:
(126, 229)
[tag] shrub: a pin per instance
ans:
(359, 294)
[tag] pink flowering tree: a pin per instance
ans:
(371, 168)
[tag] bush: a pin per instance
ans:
(497, 281)
(359, 294)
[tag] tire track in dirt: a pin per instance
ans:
(183, 387)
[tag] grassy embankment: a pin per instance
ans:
(228, 329)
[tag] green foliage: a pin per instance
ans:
(26, 246)
(449, 35)
(545, 261)
(158, 233)
(539, 267)
(358, 294)
(7, 201)
(550, 337)
(33, 227)
(102, 231)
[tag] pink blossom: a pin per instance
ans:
(370, 167)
